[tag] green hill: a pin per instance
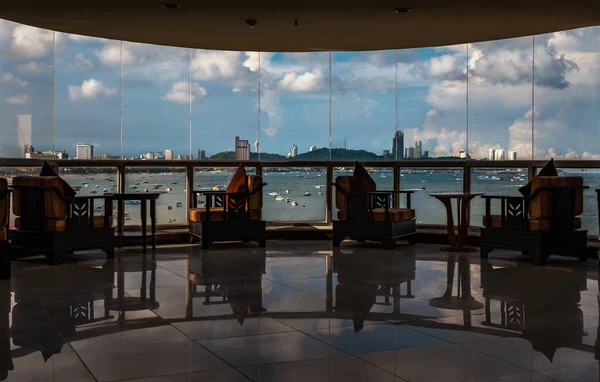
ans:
(318, 154)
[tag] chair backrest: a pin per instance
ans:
(541, 205)
(340, 198)
(54, 205)
(256, 200)
(4, 207)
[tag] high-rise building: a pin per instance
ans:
(398, 145)
(293, 151)
(256, 146)
(183, 157)
(85, 151)
(242, 149)
(418, 149)
(386, 154)
(406, 152)
(312, 148)
(512, 155)
(426, 154)
(169, 154)
(491, 154)
(411, 152)
(149, 155)
(201, 154)
(462, 154)
(159, 155)
(499, 155)
(24, 138)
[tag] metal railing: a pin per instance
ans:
(330, 166)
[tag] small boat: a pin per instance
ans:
(137, 183)
(303, 204)
(178, 204)
(294, 203)
(133, 202)
(169, 189)
(288, 200)
(98, 208)
(273, 194)
(307, 194)
(279, 198)
(134, 187)
(145, 182)
(287, 191)
(127, 217)
(216, 188)
(170, 220)
(86, 185)
(105, 190)
(97, 186)
(169, 207)
(173, 182)
(421, 188)
(146, 190)
(156, 186)
(93, 192)
(320, 193)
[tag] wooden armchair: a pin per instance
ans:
(543, 223)
(229, 216)
(49, 222)
(370, 216)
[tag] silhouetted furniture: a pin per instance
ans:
(229, 216)
(370, 215)
(457, 242)
(143, 198)
(543, 223)
(228, 278)
(541, 303)
(4, 218)
(366, 281)
(50, 223)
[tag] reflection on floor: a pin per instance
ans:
(300, 311)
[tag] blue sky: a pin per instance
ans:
(294, 96)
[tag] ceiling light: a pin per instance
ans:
(170, 5)
(251, 23)
(296, 22)
(402, 10)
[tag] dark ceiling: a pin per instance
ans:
(323, 25)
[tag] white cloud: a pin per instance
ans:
(30, 42)
(80, 38)
(32, 67)
(180, 92)
(236, 90)
(442, 66)
(271, 104)
(305, 82)
(212, 65)
(90, 89)
(19, 99)
(110, 54)
(9, 78)
(82, 62)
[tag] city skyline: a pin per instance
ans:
(294, 96)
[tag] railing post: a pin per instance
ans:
(120, 189)
(329, 191)
(466, 177)
(259, 170)
(189, 187)
(531, 172)
(396, 186)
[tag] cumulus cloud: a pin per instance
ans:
(90, 89)
(271, 105)
(9, 78)
(32, 67)
(19, 99)
(82, 62)
(236, 90)
(215, 65)
(30, 42)
(110, 54)
(302, 83)
(80, 38)
(180, 92)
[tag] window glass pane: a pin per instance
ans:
(567, 94)
(87, 104)
(155, 100)
(227, 103)
(500, 74)
(25, 89)
(170, 182)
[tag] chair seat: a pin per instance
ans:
(197, 215)
(536, 225)
(395, 214)
(60, 225)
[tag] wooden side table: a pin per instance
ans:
(457, 242)
(143, 198)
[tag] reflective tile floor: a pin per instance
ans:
(300, 311)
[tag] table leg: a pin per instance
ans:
(153, 222)
(463, 228)
(144, 218)
(449, 221)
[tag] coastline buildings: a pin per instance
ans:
(201, 154)
(32, 154)
(312, 148)
(293, 151)
(512, 155)
(169, 154)
(85, 151)
(414, 152)
(500, 155)
(398, 145)
(242, 149)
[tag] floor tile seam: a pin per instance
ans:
(173, 374)
(459, 342)
(354, 355)
(300, 279)
(540, 371)
(293, 287)
(291, 330)
(463, 345)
